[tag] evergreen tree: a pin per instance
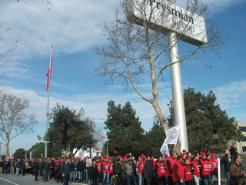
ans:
(124, 129)
(154, 138)
(69, 129)
(209, 127)
(20, 153)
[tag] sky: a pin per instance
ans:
(28, 28)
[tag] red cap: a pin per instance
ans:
(203, 154)
(142, 156)
(213, 154)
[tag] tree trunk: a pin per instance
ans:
(160, 116)
(7, 147)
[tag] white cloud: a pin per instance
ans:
(71, 26)
(232, 95)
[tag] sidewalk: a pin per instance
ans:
(27, 180)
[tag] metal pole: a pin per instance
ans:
(47, 125)
(219, 172)
(107, 148)
(178, 100)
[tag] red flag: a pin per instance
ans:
(49, 72)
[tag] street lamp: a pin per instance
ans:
(107, 146)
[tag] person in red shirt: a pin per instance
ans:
(160, 171)
(178, 174)
(170, 161)
(105, 170)
(205, 168)
(187, 172)
(176, 169)
(140, 168)
(99, 169)
(210, 166)
(167, 174)
(195, 167)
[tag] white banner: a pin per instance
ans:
(172, 135)
(164, 148)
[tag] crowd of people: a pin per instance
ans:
(177, 169)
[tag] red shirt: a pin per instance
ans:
(210, 166)
(105, 167)
(167, 171)
(160, 169)
(141, 166)
(187, 172)
(178, 172)
(110, 167)
(206, 167)
(214, 162)
(99, 167)
(196, 168)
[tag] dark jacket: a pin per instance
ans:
(148, 168)
(226, 163)
(65, 169)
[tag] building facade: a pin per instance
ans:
(241, 146)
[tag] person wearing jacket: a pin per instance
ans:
(35, 168)
(148, 170)
(129, 171)
(226, 162)
(65, 170)
(235, 170)
(118, 171)
(92, 173)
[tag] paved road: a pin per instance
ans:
(26, 180)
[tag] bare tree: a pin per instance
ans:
(13, 118)
(138, 54)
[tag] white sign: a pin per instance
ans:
(165, 16)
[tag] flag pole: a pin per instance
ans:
(48, 102)
(47, 124)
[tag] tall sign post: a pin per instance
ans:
(167, 17)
